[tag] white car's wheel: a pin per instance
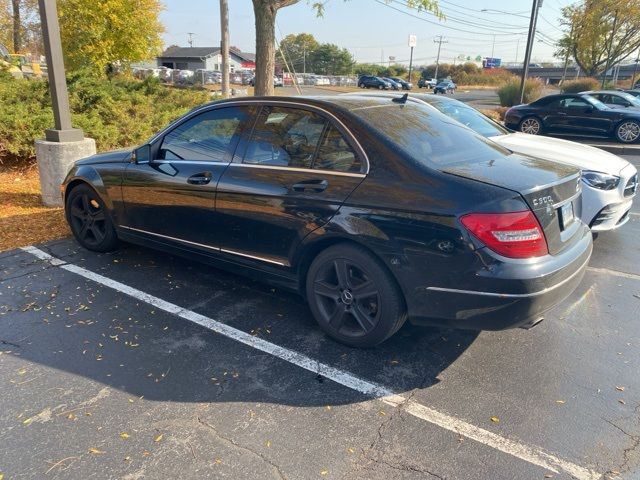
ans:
(628, 131)
(531, 125)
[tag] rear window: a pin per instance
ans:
(428, 136)
(470, 117)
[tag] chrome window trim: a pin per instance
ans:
(513, 295)
(295, 169)
(194, 162)
(570, 199)
(208, 247)
(361, 152)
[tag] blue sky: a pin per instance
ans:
(373, 30)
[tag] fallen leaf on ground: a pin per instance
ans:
(622, 402)
(268, 443)
(158, 438)
(124, 435)
(324, 472)
(560, 401)
(95, 451)
(495, 419)
(620, 389)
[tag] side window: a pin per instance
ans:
(286, 137)
(575, 103)
(208, 136)
(335, 153)
(616, 100)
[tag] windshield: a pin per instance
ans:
(472, 118)
(428, 136)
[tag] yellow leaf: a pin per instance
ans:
(268, 443)
(620, 389)
(328, 407)
(1, 476)
(324, 472)
(95, 451)
(495, 419)
(217, 461)
(158, 438)
(560, 401)
(350, 450)
(131, 400)
(124, 435)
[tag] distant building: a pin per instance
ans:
(207, 58)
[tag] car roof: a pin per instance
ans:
(588, 92)
(340, 102)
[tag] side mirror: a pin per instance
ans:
(141, 154)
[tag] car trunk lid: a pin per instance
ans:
(552, 191)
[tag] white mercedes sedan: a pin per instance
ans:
(609, 182)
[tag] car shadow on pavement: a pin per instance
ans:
(61, 321)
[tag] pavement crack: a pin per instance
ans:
(6, 342)
(407, 468)
(230, 441)
(626, 453)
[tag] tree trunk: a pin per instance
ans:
(224, 46)
(265, 13)
(17, 27)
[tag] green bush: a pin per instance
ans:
(509, 93)
(579, 85)
(116, 113)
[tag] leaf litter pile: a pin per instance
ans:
(24, 220)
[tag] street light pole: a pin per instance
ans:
(530, 38)
(493, 46)
(63, 131)
(635, 70)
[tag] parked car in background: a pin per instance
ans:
(394, 85)
(635, 93)
(185, 76)
(609, 183)
(614, 98)
(403, 83)
(441, 227)
(277, 81)
(370, 81)
(446, 86)
(427, 82)
(577, 114)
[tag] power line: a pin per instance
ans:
(381, 2)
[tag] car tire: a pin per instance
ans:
(380, 87)
(353, 296)
(628, 131)
(361, 85)
(530, 125)
(89, 220)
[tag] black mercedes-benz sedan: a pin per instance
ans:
(376, 210)
(576, 114)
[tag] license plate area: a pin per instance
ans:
(567, 215)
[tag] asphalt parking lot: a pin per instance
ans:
(138, 364)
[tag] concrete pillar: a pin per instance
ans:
(54, 161)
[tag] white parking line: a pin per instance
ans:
(616, 273)
(530, 454)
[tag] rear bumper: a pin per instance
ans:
(503, 293)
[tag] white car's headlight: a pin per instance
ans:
(602, 181)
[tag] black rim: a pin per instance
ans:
(88, 219)
(347, 297)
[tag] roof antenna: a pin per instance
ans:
(402, 99)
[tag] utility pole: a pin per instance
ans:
(190, 41)
(224, 46)
(439, 41)
(566, 57)
(413, 41)
(517, 49)
(493, 46)
(304, 57)
(536, 4)
(635, 70)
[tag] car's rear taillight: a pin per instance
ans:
(513, 234)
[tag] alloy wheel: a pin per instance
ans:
(348, 298)
(88, 219)
(629, 132)
(530, 126)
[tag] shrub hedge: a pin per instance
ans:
(509, 93)
(579, 85)
(117, 113)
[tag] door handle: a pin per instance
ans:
(200, 178)
(315, 185)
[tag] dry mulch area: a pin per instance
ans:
(24, 220)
